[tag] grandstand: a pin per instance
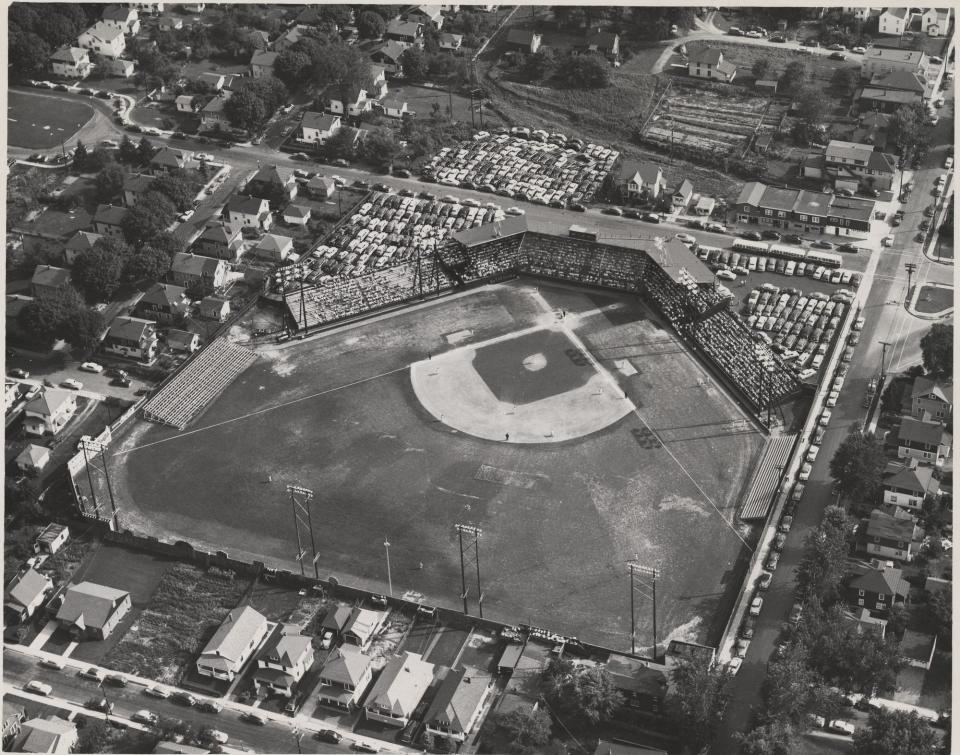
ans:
(766, 475)
(665, 272)
(203, 379)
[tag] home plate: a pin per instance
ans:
(458, 336)
(625, 367)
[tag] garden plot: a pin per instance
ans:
(705, 120)
(388, 230)
(546, 168)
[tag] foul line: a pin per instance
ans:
(263, 411)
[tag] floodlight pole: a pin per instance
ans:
(93, 493)
(88, 444)
(475, 532)
(883, 359)
(653, 573)
(386, 545)
(463, 573)
(633, 617)
(301, 509)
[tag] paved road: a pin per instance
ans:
(69, 687)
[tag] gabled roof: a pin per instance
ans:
(726, 67)
(898, 79)
(69, 54)
(44, 734)
(272, 242)
(264, 58)
(130, 328)
(248, 205)
(103, 32)
(33, 455)
(637, 676)
(888, 527)
(602, 39)
(917, 646)
(401, 685)
(433, 12)
(89, 604)
(164, 294)
(296, 211)
(48, 402)
(214, 301)
(457, 699)
(47, 275)
(710, 56)
(450, 40)
(363, 621)
(839, 149)
(391, 49)
(319, 121)
(895, 96)
(216, 104)
(863, 621)
(686, 189)
(284, 649)
(271, 174)
(886, 581)
(393, 102)
(24, 588)
(521, 37)
(110, 214)
(405, 28)
(195, 264)
(321, 182)
(233, 636)
(212, 77)
(900, 13)
(918, 480)
(118, 13)
(137, 182)
(921, 432)
(337, 619)
(345, 666)
(219, 234)
(925, 387)
(751, 193)
(169, 157)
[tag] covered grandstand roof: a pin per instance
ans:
(487, 232)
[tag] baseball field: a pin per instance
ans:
(569, 425)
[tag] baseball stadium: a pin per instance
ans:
(584, 401)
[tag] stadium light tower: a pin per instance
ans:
(474, 532)
(95, 446)
(386, 545)
(647, 571)
(300, 498)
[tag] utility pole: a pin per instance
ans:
(302, 518)
(386, 545)
(475, 533)
(883, 359)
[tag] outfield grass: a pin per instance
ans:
(346, 424)
(41, 122)
(184, 612)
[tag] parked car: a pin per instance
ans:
(651, 217)
(786, 523)
(686, 238)
(217, 736)
(93, 674)
(747, 628)
(773, 561)
(839, 726)
(763, 581)
(329, 735)
(38, 688)
(515, 211)
(18, 373)
(363, 747)
(751, 235)
(253, 718)
(204, 156)
(155, 691)
(733, 665)
(726, 275)
(54, 663)
(779, 541)
(576, 207)
(772, 235)
(116, 680)
(145, 717)
(184, 698)
(837, 56)
(612, 211)
(796, 613)
(91, 367)
(825, 417)
(72, 384)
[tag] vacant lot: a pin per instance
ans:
(35, 121)
(184, 612)
(338, 415)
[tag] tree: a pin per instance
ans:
(93, 738)
(761, 67)
(792, 690)
(810, 105)
(907, 129)
(344, 67)
(793, 78)
(128, 151)
(580, 692)
(47, 319)
(153, 212)
(414, 63)
(526, 731)
(776, 737)
(167, 243)
(291, 67)
(177, 188)
(937, 349)
(340, 145)
(824, 561)
(895, 733)
(80, 157)
(145, 151)
(84, 329)
(371, 25)
(584, 72)
(696, 703)
(379, 147)
(541, 65)
(254, 102)
(939, 613)
(844, 79)
(28, 53)
(110, 182)
(857, 467)
(97, 271)
(146, 264)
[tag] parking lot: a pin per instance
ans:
(546, 168)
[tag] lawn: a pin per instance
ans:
(933, 299)
(36, 121)
(184, 612)
(71, 211)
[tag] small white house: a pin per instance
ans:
(316, 128)
(106, 40)
(233, 644)
(70, 62)
(894, 21)
(274, 247)
(49, 412)
(935, 22)
(295, 214)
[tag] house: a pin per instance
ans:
(182, 341)
(704, 206)
(851, 166)
(345, 677)
(925, 441)
(889, 92)
(204, 274)
(25, 594)
(80, 242)
(451, 42)
(163, 303)
(13, 717)
(92, 611)
(195, 7)
(388, 56)
(894, 21)
(134, 185)
(49, 735)
(336, 620)
(48, 281)
(321, 187)
(119, 67)
(271, 182)
(768, 85)
(935, 22)
(32, 459)
(356, 102)
(606, 43)
(426, 14)
(524, 40)
(49, 411)
(861, 12)
(51, 538)
(152, 8)
(249, 212)
(170, 23)
(406, 32)
(221, 241)
(377, 83)
(132, 337)
(876, 588)
(398, 691)
(917, 648)
(70, 62)
(188, 103)
(261, 63)
(890, 536)
(362, 625)
(642, 683)
(862, 622)
(168, 159)
(214, 308)
(108, 220)
(872, 129)
(928, 401)
(124, 19)
(213, 80)
(457, 705)
(806, 211)
(640, 179)
(316, 128)
(907, 485)
(682, 196)
(233, 644)
(882, 60)
(11, 393)
(394, 107)
(212, 112)
(287, 40)
(295, 214)
(708, 63)
(107, 41)
(284, 659)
